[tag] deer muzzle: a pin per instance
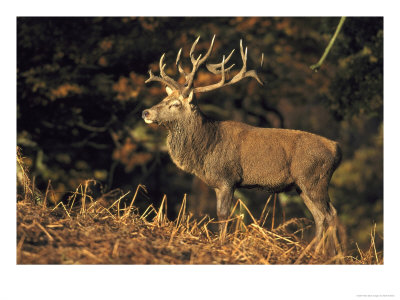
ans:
(146, 115)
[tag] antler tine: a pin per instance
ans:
(213, 68)
(244, 57)
(222, 82)
(243, 73)
(196, 63)
(164, 77)
(175, 85)
(162, 65)
(239, 76)
(223, 68)
(262, 59)
(156, 78)
(208, 52)
(190, 77)
(192, 50)
(217, 85)
(178, 64)
(178, 57)
(205, 56)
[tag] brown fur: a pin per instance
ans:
(229, 154)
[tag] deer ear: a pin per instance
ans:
(190, 97)
(168, 90)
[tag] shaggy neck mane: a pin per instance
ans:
(190, 139)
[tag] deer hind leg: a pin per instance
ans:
(317, 214)
(324, 213)
(315, 196)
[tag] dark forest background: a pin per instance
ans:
(81, 91)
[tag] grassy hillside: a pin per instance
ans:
(90, 227)
(84, 230)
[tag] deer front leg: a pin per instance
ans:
(224, 200)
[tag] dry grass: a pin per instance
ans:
(90, 233)
(84, 230)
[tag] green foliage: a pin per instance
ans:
(358, 188)
(357, 88)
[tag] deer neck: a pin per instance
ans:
(190, 139)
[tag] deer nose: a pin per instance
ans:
(145, 114)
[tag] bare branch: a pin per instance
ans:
(316, 66)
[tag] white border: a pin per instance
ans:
(197, 282)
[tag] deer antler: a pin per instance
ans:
(164, 77)
(196, 64)
(239, 76)
(213, 68)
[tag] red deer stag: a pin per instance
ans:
(228, 154)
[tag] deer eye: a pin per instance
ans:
(175, 104)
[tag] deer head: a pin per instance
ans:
(179, 103)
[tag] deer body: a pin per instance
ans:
(238, 154)
(228, 154)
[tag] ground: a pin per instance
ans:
(85, 231)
